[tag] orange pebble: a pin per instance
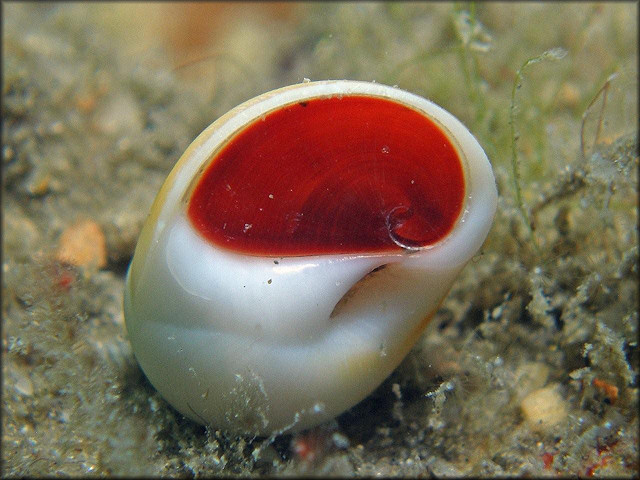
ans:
(611, 391)
(83, 244)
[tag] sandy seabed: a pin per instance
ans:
(530, 367)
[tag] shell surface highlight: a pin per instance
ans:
(297, 250)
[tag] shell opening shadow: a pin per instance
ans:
(355, 287)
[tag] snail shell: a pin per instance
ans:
(298, 249)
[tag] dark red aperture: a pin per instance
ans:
(331, 175)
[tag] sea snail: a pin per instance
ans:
(298, 249)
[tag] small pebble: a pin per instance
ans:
(23, 384)
(544, 408)
(611, 391)
(340, 441)
(83, 244)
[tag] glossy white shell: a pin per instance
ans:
(266, 345)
